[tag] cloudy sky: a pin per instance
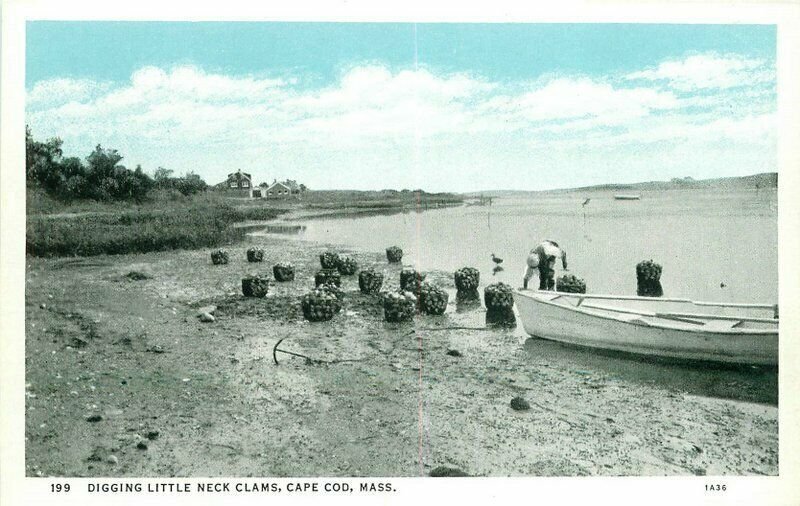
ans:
(456, 107)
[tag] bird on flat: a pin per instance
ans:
(496, 259)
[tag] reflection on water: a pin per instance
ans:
(736, 382)
(712, 245)
(284, 229)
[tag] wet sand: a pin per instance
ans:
(179, 397)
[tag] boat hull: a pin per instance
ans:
(543, 319)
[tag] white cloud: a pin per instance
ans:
(708, 71)
(62, 90)
(416, 127)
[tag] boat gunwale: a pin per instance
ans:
(592, 314)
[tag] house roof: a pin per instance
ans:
(239, 174)
(273, 185)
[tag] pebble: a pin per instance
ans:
(152, 435)
(94, 418)
(141, 445)
(43, 305)
(206, 309)
(447, 472)
(454, 353)
(207, 317)
(520, 404)
(112, 459)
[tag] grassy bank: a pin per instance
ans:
(338, 199)
(91, 228)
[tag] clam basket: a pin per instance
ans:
(571, 284)
(327, 277)
(255, 255)
(410, 279)
(331, 288)
(432, 299)
(329, 260)
(467, 278)
(648, 270)
(320, 305)
(648, 279)
(283, 271)
(394, 254)
(498, 296)
(399, 306)
(219, 257)
(255, 286)
(370, 281)
(347, 266)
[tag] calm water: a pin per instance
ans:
(701, 238)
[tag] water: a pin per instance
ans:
(703, 239)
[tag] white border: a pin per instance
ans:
(16, 489)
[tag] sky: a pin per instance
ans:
(442, 107)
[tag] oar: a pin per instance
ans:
(687, 316)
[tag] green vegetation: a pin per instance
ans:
(379, 200)
(101, 207)
(193, 226)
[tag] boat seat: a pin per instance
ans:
(722, 324)
(631, 318)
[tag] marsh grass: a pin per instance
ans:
(186, 224)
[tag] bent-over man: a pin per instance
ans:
(543, 257)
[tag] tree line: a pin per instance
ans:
(101, 177)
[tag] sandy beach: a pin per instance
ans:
(124, 380)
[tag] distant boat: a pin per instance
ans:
(627, 197)
(664, 327)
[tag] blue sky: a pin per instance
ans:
(440, 106)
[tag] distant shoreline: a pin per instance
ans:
(765, 180)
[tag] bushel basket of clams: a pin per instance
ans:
(255, 286)
(467, 279)
(283, 271)
(571, 284)
(370, 281)
(399, 306)
(498, 296)
(328, 276)
(329, 260)
(219, 257)
(347, 266)
(320, 305)
(410, 279)
(255, 255)
(432, 299)
(394, 254)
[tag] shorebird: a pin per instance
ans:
(496, 259)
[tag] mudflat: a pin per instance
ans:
(123, 379)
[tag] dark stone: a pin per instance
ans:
(141, 446)
(152, 435)
(454, 353)
(447, 472)
(520, 404)
(136, 276)
(94, 418)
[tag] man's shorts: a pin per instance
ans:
(533, 260)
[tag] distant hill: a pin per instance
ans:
(763, 180)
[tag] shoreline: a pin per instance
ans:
(401, 406)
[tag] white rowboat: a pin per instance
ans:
(674, 328)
